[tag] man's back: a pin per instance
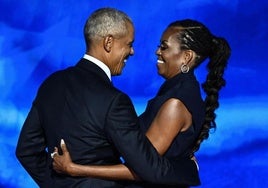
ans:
(83, 99)
(80, 118)
(74, 104)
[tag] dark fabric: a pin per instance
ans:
(98, 123)
(185, 88)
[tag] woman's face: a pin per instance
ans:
(169, 53)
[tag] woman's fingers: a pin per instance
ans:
(54, 153)
(63, 146)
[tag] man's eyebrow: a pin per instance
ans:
(131, 42)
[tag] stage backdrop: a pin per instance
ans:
(39, 37)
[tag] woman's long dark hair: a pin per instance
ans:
(194, 36)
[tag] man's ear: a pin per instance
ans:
(108, 43)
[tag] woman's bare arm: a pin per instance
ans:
(63, 164)
(172, 118)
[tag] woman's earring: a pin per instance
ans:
(184, 68)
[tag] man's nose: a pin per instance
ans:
(131, 51)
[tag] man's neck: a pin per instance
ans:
(99, 64)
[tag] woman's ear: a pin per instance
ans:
(188, 56)
(108, 43)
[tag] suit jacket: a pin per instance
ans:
(99, 124)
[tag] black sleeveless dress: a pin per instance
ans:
(186, 88)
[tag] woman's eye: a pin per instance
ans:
(162, 47)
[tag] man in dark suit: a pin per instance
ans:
(97, 121)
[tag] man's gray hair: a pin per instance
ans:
(106, 21)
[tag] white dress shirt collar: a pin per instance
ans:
(99, 64)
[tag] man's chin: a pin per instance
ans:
(117, 74)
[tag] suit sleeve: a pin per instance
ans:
(139, 153)
(31, 149)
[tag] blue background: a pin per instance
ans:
(40, 37)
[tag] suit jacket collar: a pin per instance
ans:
(92, 67)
